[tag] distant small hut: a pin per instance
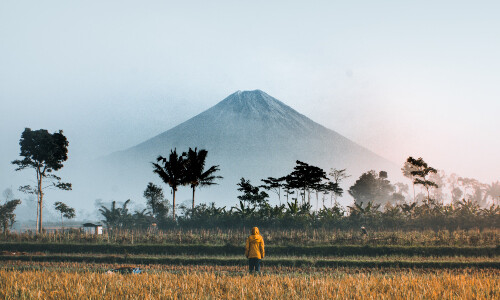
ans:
(92, 228)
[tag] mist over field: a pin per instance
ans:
(259, 85)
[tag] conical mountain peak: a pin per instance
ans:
(256, 105)
(253, 100)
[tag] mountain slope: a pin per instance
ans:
(249, 134)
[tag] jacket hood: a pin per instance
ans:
(255, 231)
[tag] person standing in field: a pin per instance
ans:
(254, 250)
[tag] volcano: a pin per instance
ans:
(248, 134)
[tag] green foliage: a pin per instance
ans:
(172, 172)
(186, 169)
(420, 172)
(116, 217)
(65, 211)
(7, 216)
(300, 262)
(195, 173)
(273, 235)
(42, 149)
(252, 194)
(371, 187)
(158, 206)
(274, 184)
(306, 177)
(227, 250)
(44, 152)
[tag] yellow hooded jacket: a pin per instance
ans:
(255, 245)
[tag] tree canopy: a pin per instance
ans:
(45, 152)
(371, 187)
(7, 216)
(195, 173)
(65, 211)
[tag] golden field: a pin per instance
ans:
(195, 284)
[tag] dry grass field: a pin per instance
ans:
(397, 265)
(189, 283)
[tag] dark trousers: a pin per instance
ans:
(254, 264)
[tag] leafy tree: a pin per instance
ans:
(477, 196)
(172, 172)
(335, 191)
(116, 217)
(401, 189)
(251, 194)
(407, 169)
(155, 200)
(306, 177)
(141, 219)
(243, 210)
(65, 211)
(288, 186)
(45, 153)
(372, 188)
(408, 209)
(480, 191)
(439, 178)
(466, 183)
(196, 175)
(493, 191)
(274, 184)
(456, 194)
(338, 176)
(7, 216)
(420, 172)
(335, 213)
(293, 207)
(358, 213)
(157, 204)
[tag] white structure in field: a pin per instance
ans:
(91, 228)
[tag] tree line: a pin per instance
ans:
(253, 207)
(373, 193)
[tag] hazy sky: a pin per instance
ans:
(402, 78)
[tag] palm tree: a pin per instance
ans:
(172, 172)
(493, 191)
(195, 170)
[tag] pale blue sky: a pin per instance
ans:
(399, 77)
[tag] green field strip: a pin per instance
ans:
(342, 258)
(333, 250)
(283, 262)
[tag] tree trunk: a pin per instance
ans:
(40, 203)
(173, 203)
(37, 210)
(413, 190)
(37, 197)
(317, 201)
(193, 195)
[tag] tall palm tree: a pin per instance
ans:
(196, 175)
(172, 172)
